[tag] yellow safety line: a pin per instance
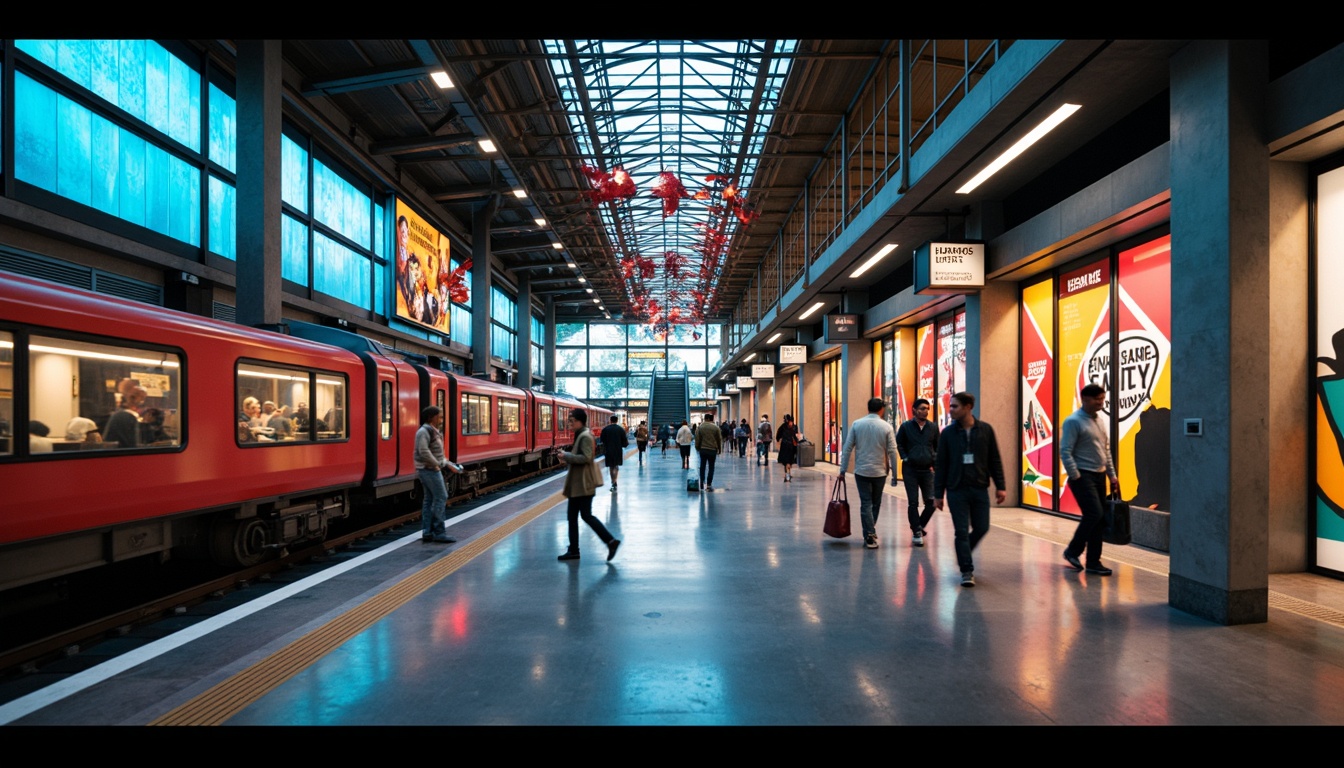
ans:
(231, 696)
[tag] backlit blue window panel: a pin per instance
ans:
(503, 309)
(138, 76)
(459, 324)
(341, 272)
(223, 129)
(293, 249)
(503, 343)
(379, 231)
(65, 149)
(339, 205)
(223, 219)
(293, 174)
(380, 291)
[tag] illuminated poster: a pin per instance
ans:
(1084, 344)
(826, 412)
(946, 367)
(1142, 375)
(958, 382)
(422, 271)
(1329, 371)
(1038, 395)
(925, 357)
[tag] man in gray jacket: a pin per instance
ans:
(872, 441)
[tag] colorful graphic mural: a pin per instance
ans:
(422, 271)
(1142, 374)
(1329, 371)
(1038, 395)
(1084, 344)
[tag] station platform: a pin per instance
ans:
(722, 608)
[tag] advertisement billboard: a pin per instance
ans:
(422, 272)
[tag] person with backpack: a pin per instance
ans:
(642, 440)
(917, 442)
(743, 435)
(765, 435)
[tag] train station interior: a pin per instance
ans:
(666, 231)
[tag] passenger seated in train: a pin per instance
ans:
(123, 429)
(335, 420)
(302, 418)
(38, 442)
(152, 430)
(80, 429)
(276, 419)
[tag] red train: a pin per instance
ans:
(152, 431)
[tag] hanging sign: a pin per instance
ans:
(745, 382)
(943, 268)
(766, 371)
(790, 354)
(842, 328)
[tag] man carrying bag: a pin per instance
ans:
(1085, 452)
(837, 512)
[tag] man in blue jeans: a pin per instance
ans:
(765, 435)
(968, 458)
(429, 465)
(873, 443)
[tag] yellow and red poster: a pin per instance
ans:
(1329, 371)
(423, 271)
(1038, 395)
(947, 357)
(1142, 394)
(1084, 345)
(924, 359)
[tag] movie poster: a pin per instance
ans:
(1142, 375)
(1038, 395)
(905, 375)
(946, 360)
(1329, 371)
(958, 382)
(423, 271)
(1084, 345)
(924, 357)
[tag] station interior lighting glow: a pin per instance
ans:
(1047, 125)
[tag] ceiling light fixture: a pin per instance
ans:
(774, 338)
(540, 222)
(582, 279)
(597, 301)
(876, 257)
(590, 290)
(749, 358)
(811, 310)
(558, 247)
(520, 193)
(486, 145)
(441, 79)
(1046, 126)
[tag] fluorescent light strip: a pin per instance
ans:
(876, 257)
(96, 355)
(441, 79)
(751, 357)
(1046, 126)
(774, 338)
(812, 309)
(486, 145)
(520, 193)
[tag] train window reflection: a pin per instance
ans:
(286, 405)
(6, 393)
(510, 419)
(475, 414)
(543, 418)
(87, 395)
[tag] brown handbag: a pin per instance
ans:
(837, 512)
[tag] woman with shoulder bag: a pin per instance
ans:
(787, 436)
(581, 486)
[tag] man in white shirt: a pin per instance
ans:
(872, 441)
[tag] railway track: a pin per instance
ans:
(27, 653)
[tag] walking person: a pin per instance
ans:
(1085, 452)
(765, 435)
(743, 433)
(581, 484)
(872, 442)
(968, 458)
(429, 465)
(787, 435)
(614, 443)
(709, 441)
(664, 437)
(642, 440)
(684, 439)
(917, 441)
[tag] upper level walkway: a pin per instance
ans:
(722, 608)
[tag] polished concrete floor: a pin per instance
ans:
(732, 608)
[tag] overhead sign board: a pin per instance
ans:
(766, 371)
(790, 354)
(745, 382)
(646, 355)
(942, 268)
(842, 328)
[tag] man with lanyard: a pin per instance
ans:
(917, 440)
(765, 435)
(871, 441)
(1085, 452)
(968, 458)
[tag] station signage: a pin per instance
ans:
(766, 371)
(790, 354)
(745, 382)
(949, 268)
(842, 328)
(648, 355)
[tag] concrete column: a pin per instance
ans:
(549, 351)
(480, 287)
(856, 371)
(524, 331)
(1220, 331)
(992, 372)
(258, 192)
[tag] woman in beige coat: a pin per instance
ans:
(581, 485)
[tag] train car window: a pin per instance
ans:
(510, 415)
(544, 423)
(287, 405)
(475, 414)
(6, 393)
(385, 416)
(441, 400)
(109, 397)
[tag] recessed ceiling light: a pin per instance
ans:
(597, 301)
(486, 145)
(558, 247)
(1046, 126)
(572, 265)
(520, 193)
(811, 310)
(774, 338)
(749, 358)
(590, 290)
(876, 257)
(582, 279)
(540, 222)
(441, 78)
